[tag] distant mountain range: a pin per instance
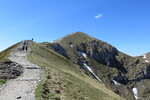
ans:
(80, 67)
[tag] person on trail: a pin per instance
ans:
(23, 48)
(26, 48)
(24, 42)
(25, 45)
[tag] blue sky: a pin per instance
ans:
(124, 24)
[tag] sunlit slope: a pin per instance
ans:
(65, 80)
(105, 60)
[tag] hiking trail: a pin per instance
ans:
(23, 87)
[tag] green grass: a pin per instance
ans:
(2, 81)
(85, 43)
(124, 64)
(72, 76)
(65, 80)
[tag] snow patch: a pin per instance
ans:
(135, 93)
(83, 54)
(146, 61)
(144, 56)
(116, 83)
(87, 67)
(71, 45)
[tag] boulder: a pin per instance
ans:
(10, 70)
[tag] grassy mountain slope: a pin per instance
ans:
(64, 80)
(106, 61)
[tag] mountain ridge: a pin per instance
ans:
(105, 60)
(79, 66)
(67, 78)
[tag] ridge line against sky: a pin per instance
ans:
(121, 23)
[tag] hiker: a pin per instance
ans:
(23, 48)
(26, 47)
(24, 42)
(32, 39)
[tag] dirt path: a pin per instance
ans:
(23, 87)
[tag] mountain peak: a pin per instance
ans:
(77, 36)
(79, 41)
(78, 33)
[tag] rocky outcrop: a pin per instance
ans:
(121, 79)
(10, 70)
(99, 51)
(57, 48)
(110, 65)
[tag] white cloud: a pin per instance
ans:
(99, 16)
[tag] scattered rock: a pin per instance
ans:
(10, 70)
(117, 92)
(48, 77)
(57, 91)
(19, 97)
(79, 91)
